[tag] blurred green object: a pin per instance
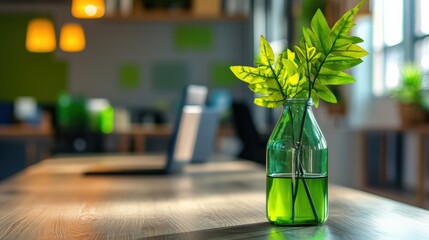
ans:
(193, 38)
(71, 113)
(129, 76)
(81, 115)
(107, 120)
(64, 105)
(411, 97)
(221, 76)
(411, 89)
(101, 115)
(40, 75)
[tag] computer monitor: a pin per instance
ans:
(192, 141)
(195, 137)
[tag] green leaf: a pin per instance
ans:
(271, 101)
(343, 26)
(252, 75)
(346, 40)
(321, 29)
(300, 53)
(280, 68)
(315, 98)
(311, 52)
(290, 66)
(321, 57)
(267, 54)
(341, 63)
(279, 63)
(268, 87)
(302, 94)
(330, 77)
(351, 50)
(311, 38)
(324, 93)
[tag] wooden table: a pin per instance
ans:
(217, 200)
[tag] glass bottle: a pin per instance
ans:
(297, 168)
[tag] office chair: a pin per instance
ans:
(254, 147)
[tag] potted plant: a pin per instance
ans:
(409, 96)
(297, 152)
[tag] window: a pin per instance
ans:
(400, 34)
(422, 37)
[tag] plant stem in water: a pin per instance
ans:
(301, 171)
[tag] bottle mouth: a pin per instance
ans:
(307, 101)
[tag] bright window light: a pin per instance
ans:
(422, 17)
(393, 22)
(422, 53)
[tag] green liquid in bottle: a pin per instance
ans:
(280, 200)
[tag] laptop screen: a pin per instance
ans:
(187, 133)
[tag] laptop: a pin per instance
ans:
(192, 141)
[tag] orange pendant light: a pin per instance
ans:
(72, 38)
(87, 8)
(40, 35)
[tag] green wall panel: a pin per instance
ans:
(171, 76)
(194, 38)
(221, 75)
(129, 76)
(23, 73)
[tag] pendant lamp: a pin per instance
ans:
(87, 8)
(40, 35)
(72, 38)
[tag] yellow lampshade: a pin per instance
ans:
(40, 35)
(87, 8)
(72, 38)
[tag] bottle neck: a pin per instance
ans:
(297, 110)
(298, 104)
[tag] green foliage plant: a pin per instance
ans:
(318, 61)
(410, 90)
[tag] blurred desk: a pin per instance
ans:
(139, 134)
(37, 139)
(25, 130)
(217, 200)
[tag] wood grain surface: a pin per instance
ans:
(217, 200)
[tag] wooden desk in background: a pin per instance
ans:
(37, 139)
(217, 200)
(139, 134)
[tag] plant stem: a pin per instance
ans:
(292, 122)
(301, 170)
(294, 193)
(294, 184)
(298, 155)
(278, 82)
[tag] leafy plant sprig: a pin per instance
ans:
(319, 60)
